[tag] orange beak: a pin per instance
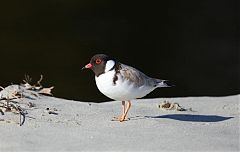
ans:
(88, 66)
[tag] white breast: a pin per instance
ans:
(122, 90)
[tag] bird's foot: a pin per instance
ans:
(120, 118)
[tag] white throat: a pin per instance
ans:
(109, 65)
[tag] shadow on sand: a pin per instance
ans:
(193, 118)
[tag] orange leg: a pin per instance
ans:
(124, 116)
(123, 107)
(125, 110)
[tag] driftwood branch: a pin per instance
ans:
(10, 96)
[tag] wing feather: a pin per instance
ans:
(136, 76)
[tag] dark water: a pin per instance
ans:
(191, 43)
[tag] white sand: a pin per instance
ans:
(214, 126)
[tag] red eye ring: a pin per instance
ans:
(98, 61)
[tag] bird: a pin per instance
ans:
(121, 82)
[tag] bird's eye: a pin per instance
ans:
(98, 61)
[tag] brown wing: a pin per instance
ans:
(136, 76)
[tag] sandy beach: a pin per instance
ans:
(212, 124)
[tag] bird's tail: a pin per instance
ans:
(164, 83)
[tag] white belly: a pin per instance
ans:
(122, 90)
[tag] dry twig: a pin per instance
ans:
(26, 90)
